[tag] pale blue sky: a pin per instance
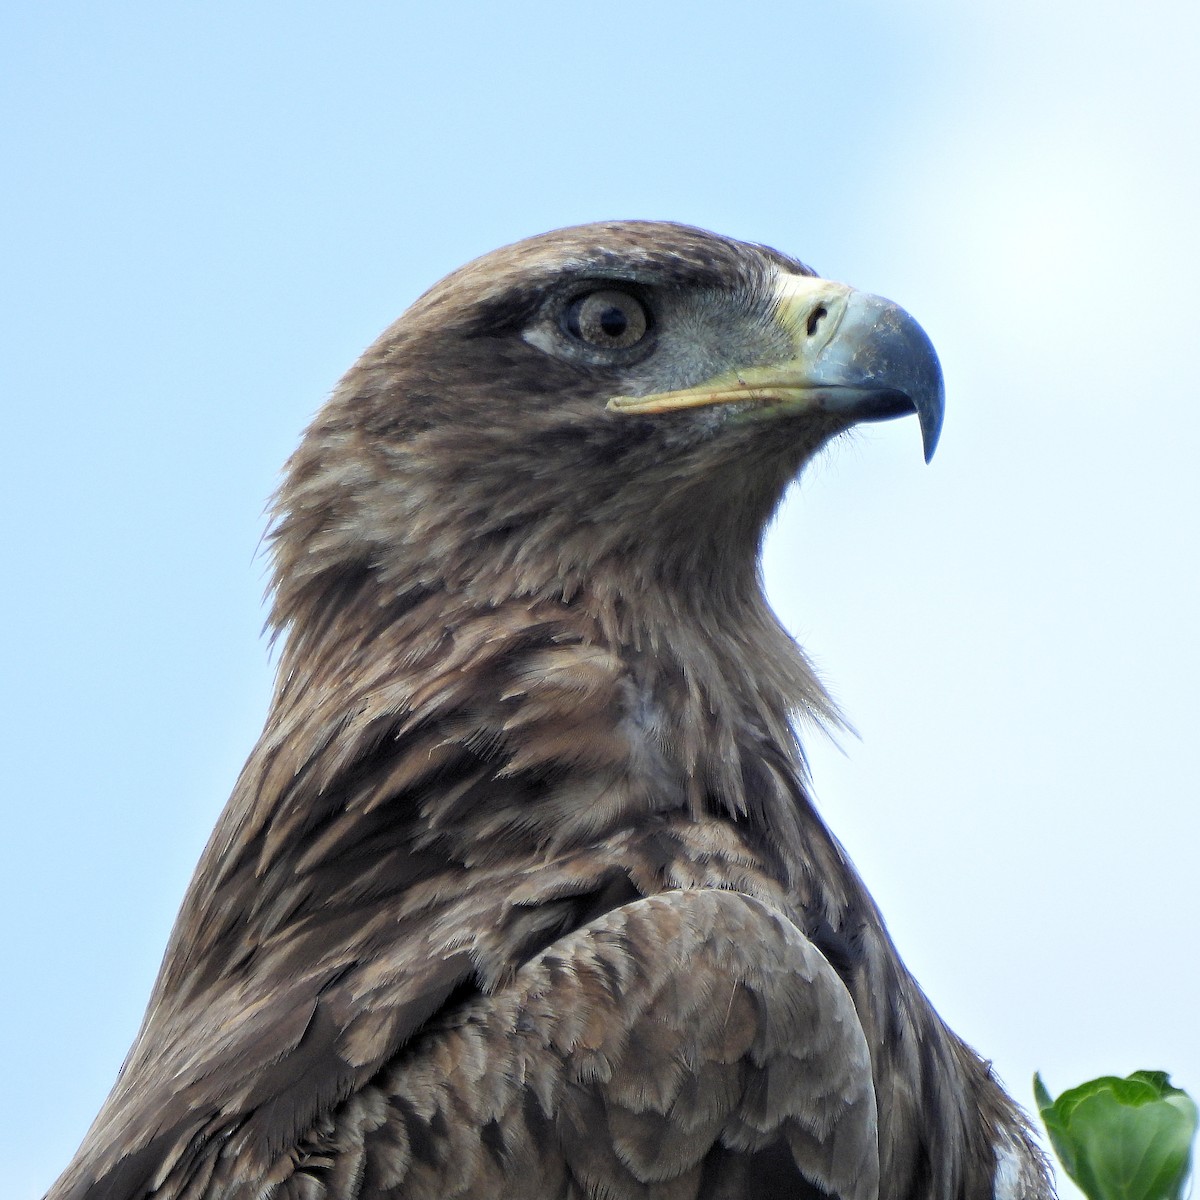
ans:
(210, 209)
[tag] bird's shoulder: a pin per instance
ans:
(664, 1049)
(668, 953)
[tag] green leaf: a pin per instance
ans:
(1122, 1139)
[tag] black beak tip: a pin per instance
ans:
(931, 408)
(925, 386)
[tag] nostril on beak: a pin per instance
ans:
(815, 318)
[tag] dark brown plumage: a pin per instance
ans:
(521, 893)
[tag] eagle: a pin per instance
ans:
(522, 893)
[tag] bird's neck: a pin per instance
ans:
(427, 733)
(697, 685)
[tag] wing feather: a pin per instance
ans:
(619, 1061)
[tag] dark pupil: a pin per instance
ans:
(613, 321)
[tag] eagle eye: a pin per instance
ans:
(607, 320)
